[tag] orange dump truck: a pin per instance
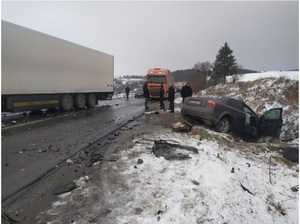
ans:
(157, 76)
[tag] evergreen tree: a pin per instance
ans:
(225, 63)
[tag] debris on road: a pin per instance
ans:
(295, 189)
(140, 161)
(180, 127)
(194, 132)
(94, 158)
(65, 188)
(151, 112)
(69, 162)
(291, 154)
(245, 189)
(11, 218)
(171, 151)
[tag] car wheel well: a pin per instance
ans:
(227, 116)
(224, 116)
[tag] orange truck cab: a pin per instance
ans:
(157, 76)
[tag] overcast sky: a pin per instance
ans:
(171, 34)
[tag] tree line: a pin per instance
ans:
(205, 74)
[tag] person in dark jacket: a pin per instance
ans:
(146, 95)
(162, 97)
(186, 91)
(171, 97)
(127, 90)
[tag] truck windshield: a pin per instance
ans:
(156, 79)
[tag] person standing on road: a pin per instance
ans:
(146, 95)
(162, 97)
(171, 97)
(186, 91)
(127, 90)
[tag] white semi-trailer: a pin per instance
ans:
(41, 71)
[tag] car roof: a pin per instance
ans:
(223, 99)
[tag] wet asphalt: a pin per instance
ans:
(44, 152)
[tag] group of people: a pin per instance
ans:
(186, 91)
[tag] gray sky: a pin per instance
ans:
(171, 34)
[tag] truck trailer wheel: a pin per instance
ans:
(79, 101)
(91, 100)
(66, 102)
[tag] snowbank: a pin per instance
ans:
(293, 75)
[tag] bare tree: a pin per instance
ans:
(205, 70)
(204, 67)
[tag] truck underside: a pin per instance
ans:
(63, 101)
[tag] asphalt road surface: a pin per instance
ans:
(37, 149)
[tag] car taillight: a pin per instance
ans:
(210, 103)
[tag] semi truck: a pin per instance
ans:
(40, 71)
(155, 78)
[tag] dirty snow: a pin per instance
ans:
(226, 182)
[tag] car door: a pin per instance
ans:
(270, 123)
(238, 115)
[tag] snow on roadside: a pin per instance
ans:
(204, 190)
(226, 182)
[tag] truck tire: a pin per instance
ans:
(79, 101)
(66, 102)
(91, 101)
(223, 126)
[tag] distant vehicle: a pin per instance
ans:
(139, 93)
(40, 71)
(227, 114)
(157, 76)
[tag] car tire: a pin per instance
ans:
(223, 126)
